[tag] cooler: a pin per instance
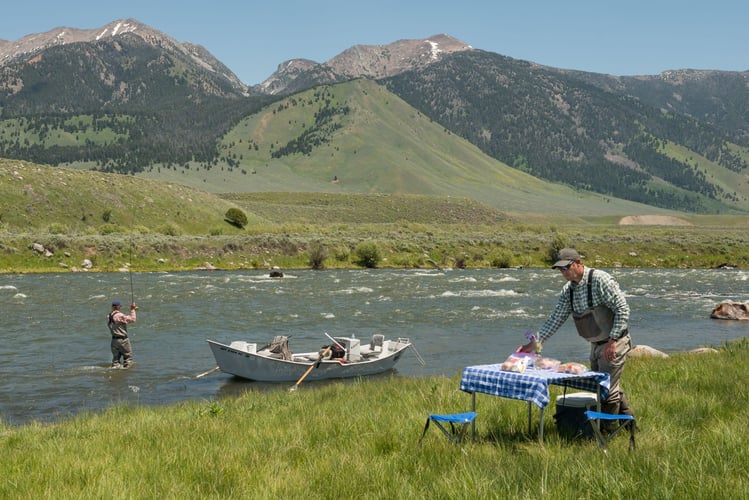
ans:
(570, 414)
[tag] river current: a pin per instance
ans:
(54, 354)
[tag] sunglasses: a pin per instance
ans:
(567, 267)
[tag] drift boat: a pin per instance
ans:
(274, 362)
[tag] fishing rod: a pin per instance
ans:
(130, 259)
(130, 270)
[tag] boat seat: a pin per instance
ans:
(459, 422)
(595, 419)
(376, 343)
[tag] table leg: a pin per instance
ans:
(598, 406)
(473, 408)
(530, 426)
(541, 427)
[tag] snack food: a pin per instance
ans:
(546, 364)
(575, 368)
(514, 363)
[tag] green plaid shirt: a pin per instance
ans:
(605, 292)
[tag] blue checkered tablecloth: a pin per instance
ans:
(531, 386)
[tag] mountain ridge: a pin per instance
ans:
(135, 100)
(363, 61)
(30, 45)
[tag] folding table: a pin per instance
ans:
(531, 386)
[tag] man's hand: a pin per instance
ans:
(610, 351)
(529, 347)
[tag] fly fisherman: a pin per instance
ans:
(117, 322)
(601, 313)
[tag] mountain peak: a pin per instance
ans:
(365, 61)
(30, 45)
(62, 35)
(379, 61)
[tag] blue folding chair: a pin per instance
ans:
(625, 421)
(459, 422)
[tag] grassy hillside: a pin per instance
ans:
(360, 138)
(39, 199)
(127, 222)
(335, 208)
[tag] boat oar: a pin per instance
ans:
(312, 367)
(334, 340)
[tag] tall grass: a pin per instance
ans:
(360, 439)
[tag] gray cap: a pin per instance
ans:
(566, 256)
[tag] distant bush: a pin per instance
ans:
(560, 241)
(501, 258)
(317, 255)
(342, 253)
(108, 228)
(170, 229)
(57, 228)
(236, 217)
(367, 254)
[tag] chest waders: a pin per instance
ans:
(593, 324)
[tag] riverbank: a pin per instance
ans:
(360, 440)
(405, 245)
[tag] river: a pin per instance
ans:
(55, 344)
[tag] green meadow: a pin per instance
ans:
(123, 222)
(360, 439)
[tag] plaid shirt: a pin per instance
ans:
(605, 292)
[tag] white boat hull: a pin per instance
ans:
(242, 360)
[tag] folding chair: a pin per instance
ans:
(595, 418)
(459, 422)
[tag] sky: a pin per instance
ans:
(627, 37)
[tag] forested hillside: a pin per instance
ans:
(120, 107)
(560, 127)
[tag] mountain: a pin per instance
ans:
(127, 98)
(718, 98)
(329, 139)
(118, 98)
(593, 132)
(103, 45)
(361, 61)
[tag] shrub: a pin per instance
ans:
(342, 253)
(367, 254)
(108, 228)
(501, 258)
(317, 255)
(560, 241)
(460, 261)
(57, 228)
(236, 217)
(170, 229)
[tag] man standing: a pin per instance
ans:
(117, 322)
(601, 314)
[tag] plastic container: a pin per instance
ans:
(570, 414)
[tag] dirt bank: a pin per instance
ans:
(653, 220)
